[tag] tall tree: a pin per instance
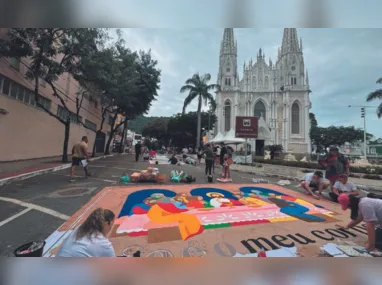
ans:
(52, 52)
(158, 129)
(198, 87)
(182, 128)
(377, 94)
(313, 120)
(323, 138)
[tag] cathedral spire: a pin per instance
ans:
(307, 78)
(290, 41)
(228, 45)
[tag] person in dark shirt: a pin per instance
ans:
(138, 147)
(173, 160)
(336, 164)
(209, 158)
(223, 152)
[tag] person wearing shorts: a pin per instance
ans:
(79, 153)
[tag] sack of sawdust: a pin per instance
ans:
(309, 250)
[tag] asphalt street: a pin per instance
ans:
(34, 208)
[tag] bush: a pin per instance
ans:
(315, 165)
(371, 176)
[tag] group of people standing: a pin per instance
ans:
(216, 154)
(344, 192)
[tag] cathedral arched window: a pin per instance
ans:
(295, 118)
(254, 82)
(229, 81)
(260, 110)
(227, 116)
(226, 82)
(266, 82)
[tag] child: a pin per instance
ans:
(226, 171)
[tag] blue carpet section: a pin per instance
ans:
(138, 197)
(203, 192)
(260, 191)
(298, 211)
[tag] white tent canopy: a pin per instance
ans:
(217, 138)
(230, 138)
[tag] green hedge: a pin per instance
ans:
(315, 165)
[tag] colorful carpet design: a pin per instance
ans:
(167, 215)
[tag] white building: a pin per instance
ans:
(276, 93)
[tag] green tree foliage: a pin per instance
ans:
(323, 138)
(313, 120)
(198, 87)
(51, 53)
(157, 129)
(377, 94)
(138, 124)
(127, 80)
(182, 128)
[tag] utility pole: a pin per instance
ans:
(363, 115)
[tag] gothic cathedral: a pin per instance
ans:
(278, 94)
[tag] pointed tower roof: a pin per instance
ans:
(290, 41)
(228, 45)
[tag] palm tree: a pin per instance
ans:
(377, 94)
(199, 88)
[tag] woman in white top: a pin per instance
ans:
(366, 210)
(90, 239)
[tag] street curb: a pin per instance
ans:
(297, 179)
(24, 176)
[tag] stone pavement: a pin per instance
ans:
(295, 174)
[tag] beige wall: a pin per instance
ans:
(27, 132)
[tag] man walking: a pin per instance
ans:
(80, 156)
(138, 147)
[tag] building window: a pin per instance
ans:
(64, 114)
(373, 150)
(96, 104)
(20, 94)
(260, 110)
(6, 86)
(227, 116)
(14, 90)
(293, 81)
(15, 63)
(90, 125)
(295, 118)
(27, 96)
(46, 103)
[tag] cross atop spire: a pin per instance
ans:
(290, 41)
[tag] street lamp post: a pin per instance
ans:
(363, 115)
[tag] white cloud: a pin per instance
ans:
(160, 50)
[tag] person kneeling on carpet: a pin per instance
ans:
(314, 183)
(366, 210)
(90, 239)
(342, 185)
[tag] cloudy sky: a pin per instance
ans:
(343, 65)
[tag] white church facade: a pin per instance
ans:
(277, 93)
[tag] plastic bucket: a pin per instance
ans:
(35, 253)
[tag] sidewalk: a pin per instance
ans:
(20, 170)
(362, 184)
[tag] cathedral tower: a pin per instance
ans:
(228, 77)
(290, 62)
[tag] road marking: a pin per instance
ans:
(36, 207)
(74, 224)
(14, 217)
